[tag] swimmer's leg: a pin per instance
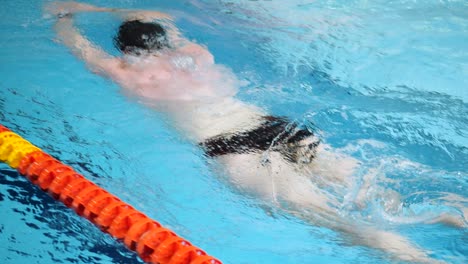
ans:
(275, 180)
(394, 244)
(308, 201)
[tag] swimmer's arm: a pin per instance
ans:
(71, 7)
(142, 15)
(56, 8)
(97, 59)
(174, 35)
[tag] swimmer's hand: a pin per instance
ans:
(61, 8)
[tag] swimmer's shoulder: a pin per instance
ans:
(200, 53)
(113, 67)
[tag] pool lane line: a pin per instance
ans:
(152, 242)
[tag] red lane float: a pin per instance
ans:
(152, 242)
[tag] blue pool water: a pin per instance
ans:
(386, 82)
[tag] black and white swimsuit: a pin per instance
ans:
(296, 144)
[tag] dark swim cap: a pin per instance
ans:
(134, 35)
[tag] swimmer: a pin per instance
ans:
(279, 161)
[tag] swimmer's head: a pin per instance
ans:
(135, 36)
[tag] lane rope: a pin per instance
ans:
(152, 242)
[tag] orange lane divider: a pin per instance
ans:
(152, 242)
